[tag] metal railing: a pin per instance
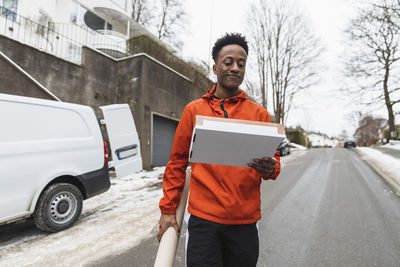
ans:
(6, 12)
(63, 40)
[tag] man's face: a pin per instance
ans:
(230, 66)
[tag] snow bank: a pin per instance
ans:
(385, 165)
(321, 140)
(110, 223)
(297, 146)
(393, 145)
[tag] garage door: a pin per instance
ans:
(163, 136)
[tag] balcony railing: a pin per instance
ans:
(118, 38)
(8, 13)
(60, 39)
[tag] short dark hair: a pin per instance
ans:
(228, 39)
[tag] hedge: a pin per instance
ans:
(298, 137)
(386, 133)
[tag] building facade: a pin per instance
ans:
(62, 27)
(156, 90)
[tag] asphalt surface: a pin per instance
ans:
(391, 152)
(327, 208)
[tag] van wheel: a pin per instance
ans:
(59, 206)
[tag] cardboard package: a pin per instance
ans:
(233, 142)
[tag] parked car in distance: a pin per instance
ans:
(284, 148)
(349, 143)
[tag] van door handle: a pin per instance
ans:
(124, 152)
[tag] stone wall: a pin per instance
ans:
(147, 85)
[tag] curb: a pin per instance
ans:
(385, 175)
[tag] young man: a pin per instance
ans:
(224, 201)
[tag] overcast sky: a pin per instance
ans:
(323, 108)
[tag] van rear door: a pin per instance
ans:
(123, 138)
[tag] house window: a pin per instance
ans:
(83, 17)
(9, 8)
(73, 16)
(120, 3)
(77, 14)
(93, 21)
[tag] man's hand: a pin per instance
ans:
(264, 166)
(167, 221)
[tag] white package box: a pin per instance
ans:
(233, 142)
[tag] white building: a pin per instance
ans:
(62, 27)
(320, 140)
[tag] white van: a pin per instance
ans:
(53, 156)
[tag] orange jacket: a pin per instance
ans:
(222, 194)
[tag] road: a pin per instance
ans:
(327, 208)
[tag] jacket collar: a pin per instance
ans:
(210, 95)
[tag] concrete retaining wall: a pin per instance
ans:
(142, 82)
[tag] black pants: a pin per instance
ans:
(212, 244)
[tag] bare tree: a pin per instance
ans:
(252, 90)
(286, 53)
(373, 62)
(395, 7)
(166, 18)
(369, 129)
(170, 20)
(258, 18)
(141, 12)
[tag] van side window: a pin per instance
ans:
(33, 122)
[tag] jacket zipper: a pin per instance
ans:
(222, 107)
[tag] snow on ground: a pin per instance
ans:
(110, 223)
(387, 166)
(297, 146)
(393, 145)
(320, 140)
(120, 218)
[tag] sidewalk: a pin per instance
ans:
(392, 149)
(384, 164)
(110, 223)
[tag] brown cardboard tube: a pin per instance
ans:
(169, 241)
